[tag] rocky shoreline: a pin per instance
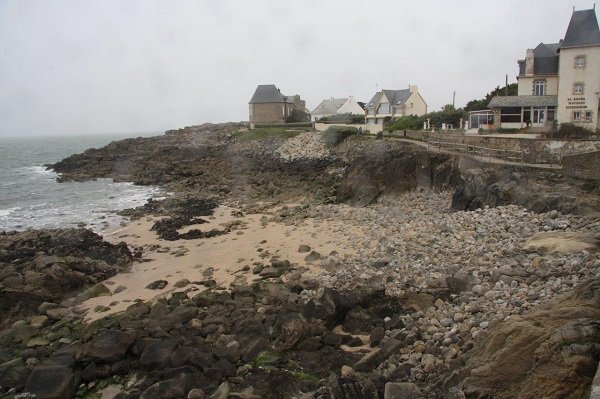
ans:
(442, 296)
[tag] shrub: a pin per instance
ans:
(411, 122)
(336, 134)
(353, 119)
(357, 119)
(297, 116)
(572, 131)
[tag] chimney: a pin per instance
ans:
(529, 62)
(413, 88)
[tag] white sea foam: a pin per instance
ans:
(39, 170)
(31, 197)
(6, 212)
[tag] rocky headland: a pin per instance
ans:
(310, 265)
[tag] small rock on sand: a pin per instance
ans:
(303, 248)
(157, 285)
(312, 256)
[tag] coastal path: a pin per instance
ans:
(483, 154)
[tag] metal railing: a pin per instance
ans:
(482, 152)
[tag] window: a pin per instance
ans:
(576, 116)
(539, 87)
(384, 108)
(588, 116)
(578, 88)
(580, 61)
(510, 114)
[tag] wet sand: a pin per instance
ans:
(223, 258)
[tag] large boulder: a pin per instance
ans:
(13, 374)
(109, 345)
(54, 377)
(550, 352)
(157, 355)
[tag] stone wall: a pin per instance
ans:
(268, 112)
(585, 165)
(535, 150)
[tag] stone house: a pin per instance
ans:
(557, 82)
(337, 106)
(394, 104)
(269, 105)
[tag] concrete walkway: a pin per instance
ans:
(487, 159)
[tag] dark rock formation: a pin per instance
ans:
(389, 168)
(39, 266)
(215, 161)
(536, 190)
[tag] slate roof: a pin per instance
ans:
(545, 59)
(583, 30)
(269, 94)
(523, 101)
(330, 106)
(395, 97)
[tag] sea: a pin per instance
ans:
(30, 196)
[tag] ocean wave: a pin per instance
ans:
(6, 212)
(39, 170)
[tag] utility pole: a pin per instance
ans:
(506, 86)
(453, 97)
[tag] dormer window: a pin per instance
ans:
(580, 61)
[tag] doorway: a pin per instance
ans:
(539, 116)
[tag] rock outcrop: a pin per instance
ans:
(533, 189)
(218, 161)
(38, 266)
(551, 352)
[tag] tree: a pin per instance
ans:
(476, 105)
(448, 115)
(297, 116)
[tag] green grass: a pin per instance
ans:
(263, 133)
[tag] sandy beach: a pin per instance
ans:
(254, 238)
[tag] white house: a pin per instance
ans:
(557, 82)
(337, 106)
(394, 104)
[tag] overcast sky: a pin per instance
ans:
(79, 67)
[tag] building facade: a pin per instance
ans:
(394, 104)
(557, 82)
(337, 106)
(269, 105)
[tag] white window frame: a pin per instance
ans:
(539, 83)
(576, 116)
(576, 85)
(379, 110)
(580, 61)
(589, 116)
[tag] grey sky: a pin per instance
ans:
(70, 67)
